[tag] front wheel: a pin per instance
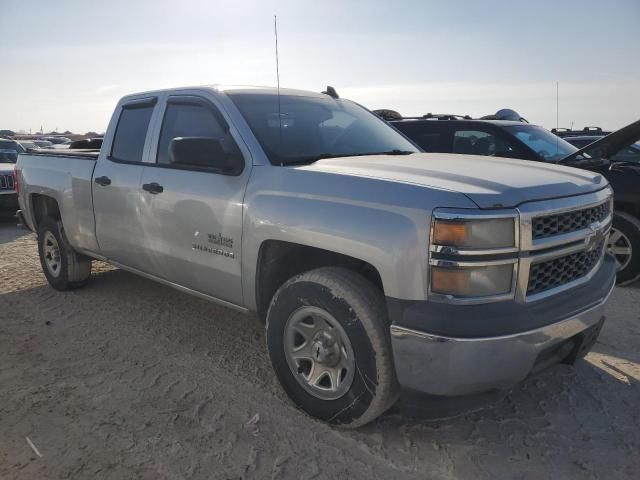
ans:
(328, 340)
(64, 268)
(624, 245)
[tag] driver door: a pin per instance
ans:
(192, 214)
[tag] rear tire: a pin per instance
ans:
(64, 268)
(624, 245)
(337, 320)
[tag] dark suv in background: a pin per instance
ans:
(490, 135)
(506, 134)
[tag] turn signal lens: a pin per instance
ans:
(480, 234)
(449, 233)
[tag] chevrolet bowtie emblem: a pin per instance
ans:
(595, 237)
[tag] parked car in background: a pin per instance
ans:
(28, 144)
(586, 131)
(626, 154)
(58, 140)
(9, 150)
(42, 143)
(617, 156)
(379, 270)
(517, 139)
(86, 144)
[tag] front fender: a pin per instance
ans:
(382, 223)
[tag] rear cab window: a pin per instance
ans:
(131, 131)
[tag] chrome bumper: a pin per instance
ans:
(444, 366)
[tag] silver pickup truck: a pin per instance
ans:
(380, 271)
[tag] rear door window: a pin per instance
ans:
(480, 142)
(131, 132)
(473, 142)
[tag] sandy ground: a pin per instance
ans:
(129, 379)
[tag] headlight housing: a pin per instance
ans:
(473, 255)
(475, 234)
(472, 281)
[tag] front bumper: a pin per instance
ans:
(439, 365)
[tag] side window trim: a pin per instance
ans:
(132, 105)
(198, 101)
(188, 99)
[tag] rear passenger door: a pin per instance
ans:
(193, 213)
(116, 187)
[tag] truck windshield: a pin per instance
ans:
(304, 129)
(550, 147)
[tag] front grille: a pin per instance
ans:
(551, 225)
(6, 182)
(559, 271)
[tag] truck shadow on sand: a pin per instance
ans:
(9, 230)
(120, 319)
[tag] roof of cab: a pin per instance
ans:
(231, 90)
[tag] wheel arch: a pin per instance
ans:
(43, 206)
(278, 261)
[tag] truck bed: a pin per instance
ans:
(65, 176)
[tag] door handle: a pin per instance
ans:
(152, 188)
(104, 181)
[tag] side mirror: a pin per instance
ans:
(203, 152)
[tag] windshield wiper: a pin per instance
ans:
(392, 152)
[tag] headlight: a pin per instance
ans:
(480, 281)
(482, 233)
(473, 255)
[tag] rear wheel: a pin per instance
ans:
(328, 340)
(64, 268)
(624, 245)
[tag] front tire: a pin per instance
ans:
(64, 268)
(624, 245)
(329, 344)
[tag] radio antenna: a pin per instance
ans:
(275, 31)
(557, 114)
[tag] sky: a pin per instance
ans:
(65, 64)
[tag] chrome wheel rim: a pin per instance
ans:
(619, 246)
(51, 252)
(319, 353)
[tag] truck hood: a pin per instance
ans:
(490, 182)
